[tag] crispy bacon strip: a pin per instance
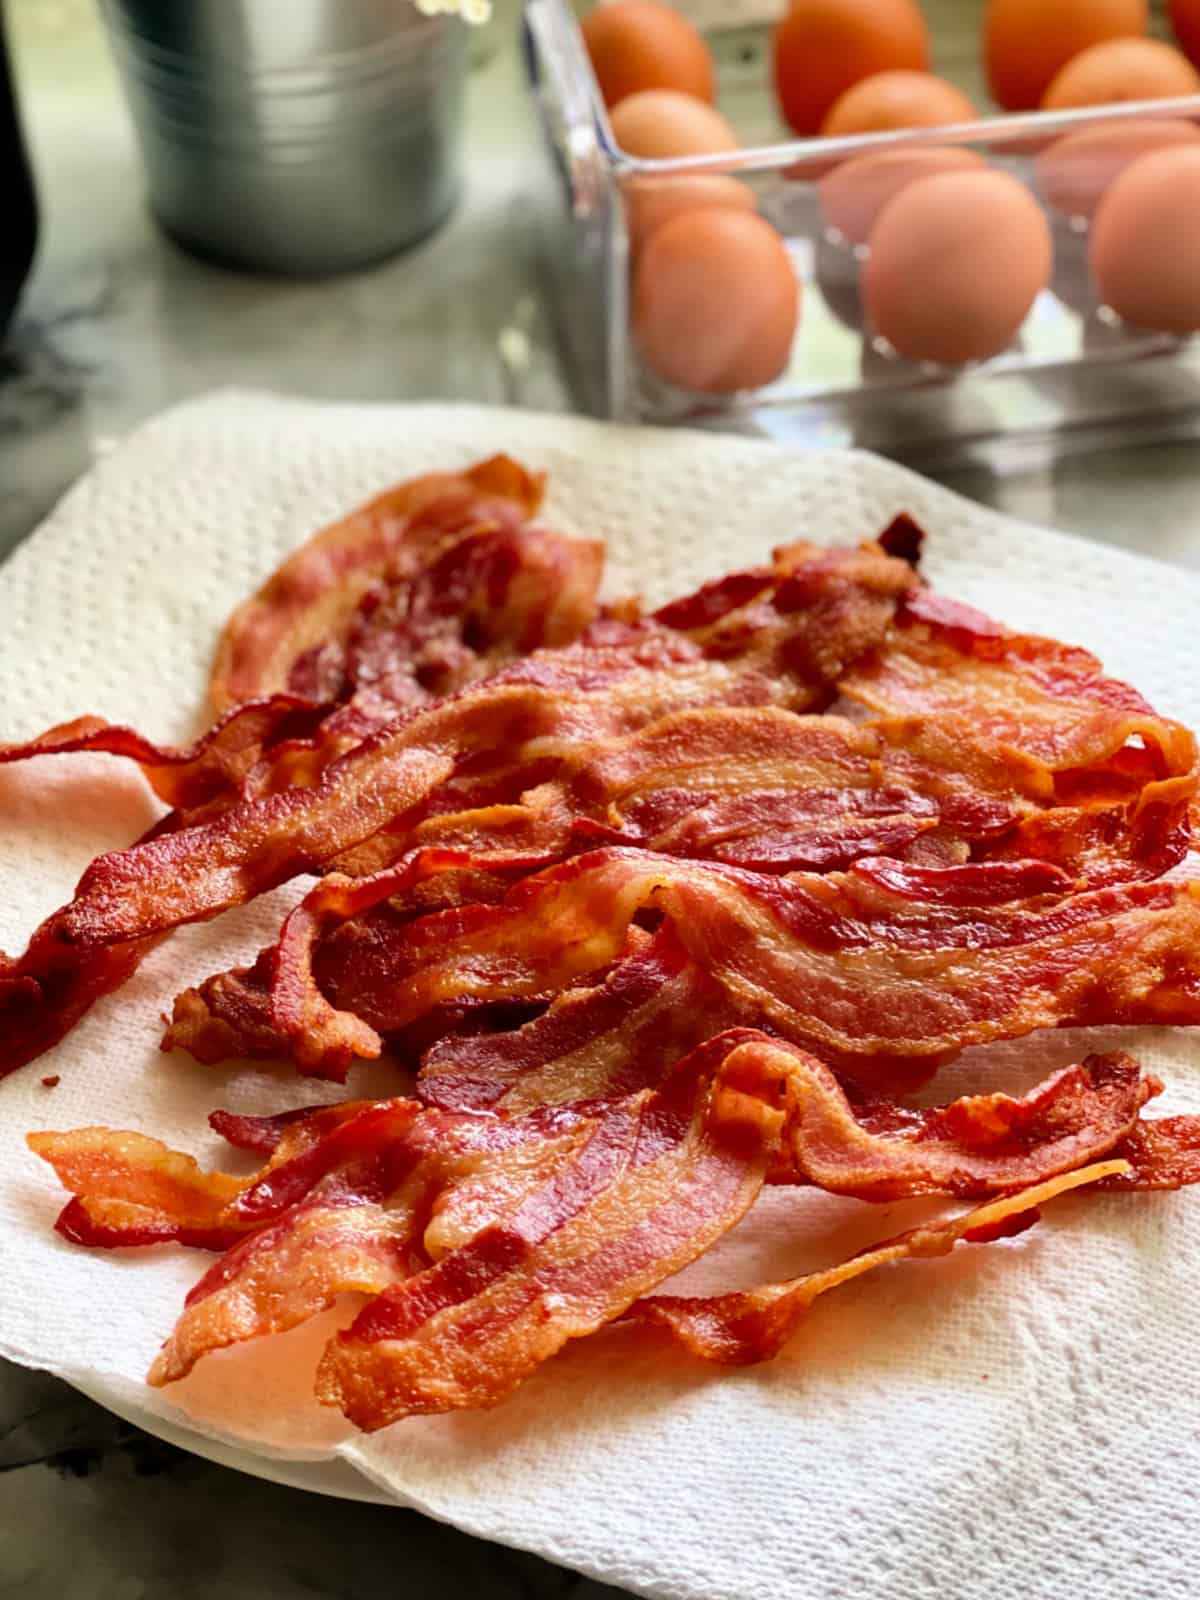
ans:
(487, 1241)
(773, 791)
(762, 788)
(458, 584)
(45, 992)
(619, 678)
(1049, 699)
(615, 1037)
(753, 1325)
(1163, 1153)
(390, 592)
(360, 1217)
(977, 1145)
(659, 1178)
(131, 1190)
(808, 617)
(758, 787)
(886, 967)
(1126, 778)
(444, 581)
(190, 776)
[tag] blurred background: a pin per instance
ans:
(118, 321)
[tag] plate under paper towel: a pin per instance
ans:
(1018, 1420)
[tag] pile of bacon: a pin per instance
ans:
(658, 909)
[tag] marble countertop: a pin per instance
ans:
(117, 324)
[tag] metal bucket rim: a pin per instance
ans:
(336, 70)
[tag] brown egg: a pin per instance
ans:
(1026, 42)
(1122, 69)
(855, 193)
(642, 44)
(824, 47)
(1185, 20)
(715, 301)
(649, 202)
(661, 123)
(891, 100)
(1075, 171)
(1144, 250)
(956, 263)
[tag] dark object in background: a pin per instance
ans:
(18, 209)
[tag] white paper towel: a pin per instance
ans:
(1016, 1421)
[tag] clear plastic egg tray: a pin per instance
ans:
(1075, 377)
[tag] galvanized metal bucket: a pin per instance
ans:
(298, 136)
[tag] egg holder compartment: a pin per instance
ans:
(1075, 379)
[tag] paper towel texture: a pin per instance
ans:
(1015, 1421)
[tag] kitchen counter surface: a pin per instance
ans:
(117, 324)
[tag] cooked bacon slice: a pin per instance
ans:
(353, 1200)
(615, 1037)
(438, 582)
(805, 619)
(228, 1016)
(620, 677)
(432, 583)
(1125, 778)
(752, 786)
(977, 1145)
(888, 968)
(487, 1242)
(1163, 1153)
(343, 1238)
(1047, 698)
(259, 1134)
(762, 788)
(885, 968)
(765, 788)
(191, 776)
(754, 1324)
(130, 1190)
(45, 992)
(659, 1177)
